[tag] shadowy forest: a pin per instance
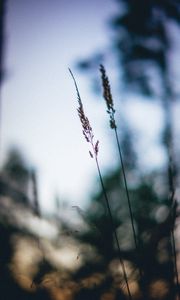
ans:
(125, 244)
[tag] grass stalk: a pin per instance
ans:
(173, 217)
(175, 262)
(111, 111)
(126, 188)
(113, 229)
(89, 136)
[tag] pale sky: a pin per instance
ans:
(43, 39)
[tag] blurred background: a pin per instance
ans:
(57, 241)
(42, 40)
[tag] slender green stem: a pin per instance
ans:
(128, 199)
(113, 230)
(126, 188)
(175, 261)
(111, 111)
(173, 245)
(173, 204)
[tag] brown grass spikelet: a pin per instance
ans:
(86, 126)
(108, 96)
(96, 148)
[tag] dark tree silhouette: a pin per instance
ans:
(154, 233)
(14, 179)
(2, 17)
(2, 25)
(143, 46)
(143, 43)
(16, 171)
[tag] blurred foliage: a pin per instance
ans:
(142, 44)
(15, 169)
(15, 204)
(99, 274)
(143, 40)
(153, 222)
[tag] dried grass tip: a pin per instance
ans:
(86, 126)
(108, 96)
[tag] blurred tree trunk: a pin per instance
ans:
(2, 25)
(2, 19)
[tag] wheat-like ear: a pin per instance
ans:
(86, 126)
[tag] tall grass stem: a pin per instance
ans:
(89, 136)
(111, 111)
(126, 188)
(173, 203)
(113, 229)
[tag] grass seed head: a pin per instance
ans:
(86, 126)
(108, 96)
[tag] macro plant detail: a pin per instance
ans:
(89, 136)
(87, 129)
(68, 232)
(88, 133)
(108, 97)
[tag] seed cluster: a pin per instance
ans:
(86, 126)
(108, 96)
